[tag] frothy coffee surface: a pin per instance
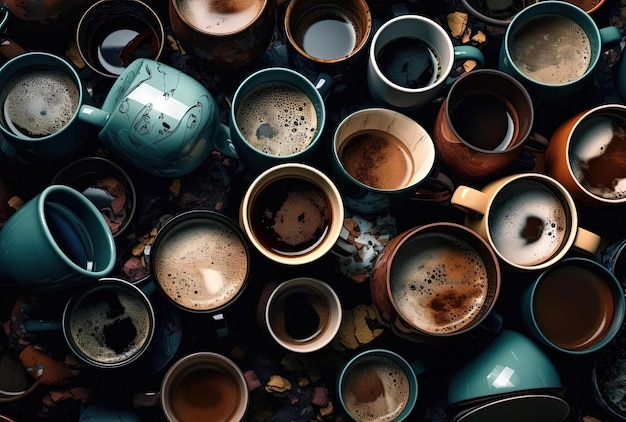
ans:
(38, 103)
(201, 264)
(378, 159)
(597, 155)
(375, 389)
(551, 49)
(110, 325)
(277, 119)
(438, 282)
(528, 223)
(220, 16)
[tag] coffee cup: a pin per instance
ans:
(518, 408)
(483, 124)
(378, 384)
(607, 373)
(200, 261)
(203, 386)
(576, 306)
(584, 155)
(224, 35)
(302, 315)
(328, 37)
(113, 33)
(277, 115)
(56, 241)
(107, 324)
(41, 96)
(159, 119)
(15, 382)
(613, 257)
(411, 58)
(381, 158)
(292, 214)
(435, 282)
(494, 12)
(529, 219)
(552, 48)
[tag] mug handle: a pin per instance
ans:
(609, 36)
(435, 189)
(586, 241)
(463, 53)
(146, 399)
(470, 200)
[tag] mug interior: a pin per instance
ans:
(518, 408)
(218, 18)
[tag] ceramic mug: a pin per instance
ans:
(529, 219)
(302, 315)
(494, 12)
(420, 45)
(56, 241)
(328, 37)
(483, 124)
(224, 35)
(202, 386)
(576, 306)
(381, 158)
(553, 47)
(435, 282)
(41, 97)
(585, 155)
(113, 33)
(292, 214)
(277, 115)
(159, 119)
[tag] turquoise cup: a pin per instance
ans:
(539, 85)
(512, 363)
(379, 384)
(56, 241)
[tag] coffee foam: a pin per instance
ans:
(92, 314)
(39, 102)
(598, 147)
(438, 282)
(551, 49)
(527, 223)
(392, 399)
(277, 119)
(220, 16)
(201, 265)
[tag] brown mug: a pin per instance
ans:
(586, 154)
(483, 124)
(226, 34)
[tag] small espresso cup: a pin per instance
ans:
(41, 97)
(328, 37)
(378, 385)
(552, 47)
(56, 241)
(585, 155)
(576, 306)
(435, 282)
(225, 35)
(292, 213)
(381, 158)
(277, 115)
(410, 61)
(200, 260)
(302, 315)
(113, 33)
(483, 124)
(202, 386)
(529, 219)
(159, 119)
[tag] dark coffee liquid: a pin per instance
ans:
(573, 307)
(409, 62)
(290, 216)
(301, 318)
(120, 334)
(328, 34)
(484, 120)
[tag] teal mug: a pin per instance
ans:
(159, 119)
(575, 306)
(56, 241)
(552, 47)
(278, 115)
(41, 97)
(379, 384)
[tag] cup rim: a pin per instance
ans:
(418, 20)
(357, 48)
(173, 4)
(485, 18)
